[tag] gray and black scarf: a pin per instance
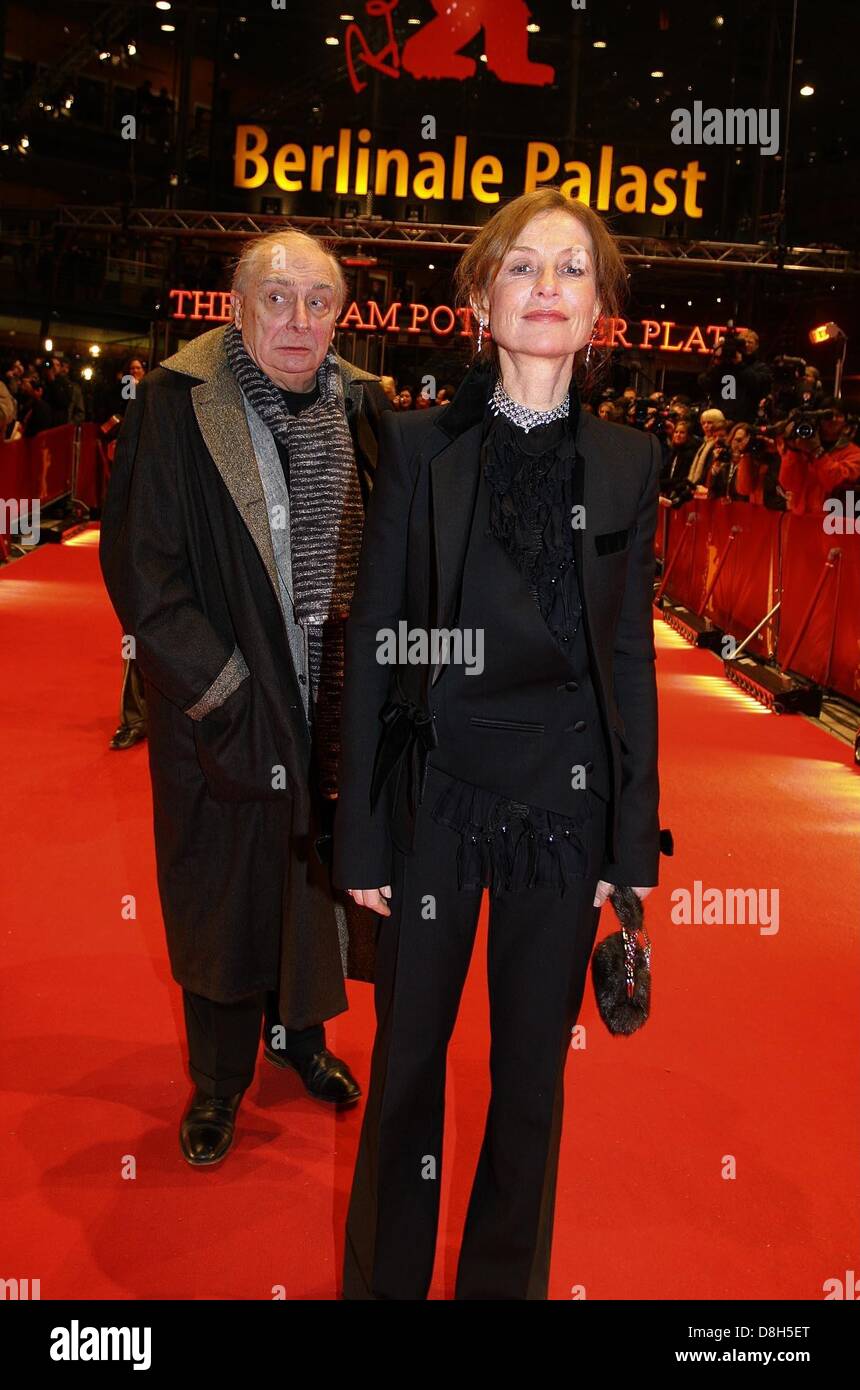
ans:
(326, 519)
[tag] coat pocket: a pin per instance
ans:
(236, 749)
(516, 726)
(612, 542)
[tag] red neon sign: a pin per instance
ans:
(445, 321)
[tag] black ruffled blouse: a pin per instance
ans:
(530, 478)
(506, 845)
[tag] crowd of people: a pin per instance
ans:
(751, 432)
(39, 393)
(773, 439)
(757, 433)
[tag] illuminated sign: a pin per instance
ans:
(212, 306)
(359, 168)
(434, 51)
(445, 321)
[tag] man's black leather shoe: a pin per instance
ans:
(325, 1076)
(127, 735)
(206, 1132)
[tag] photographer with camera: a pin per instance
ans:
(757, 478)
(721, 478)
(736, 381)
(819, 460)
(673, 481)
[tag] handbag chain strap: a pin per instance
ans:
(630, 953)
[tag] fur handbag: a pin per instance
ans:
(621, 968)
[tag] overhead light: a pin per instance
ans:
(131, 48)
(69, 103)
(532, 28)
(718, 21)
(87, 373)
(598, 43)
(430, 265)
(95, 350)
(24, 142)
(483, 57)
(826, 333)
(413, 21)
(4, 148)
(807, 91)
(162, 4)
(168, 28)
(346, 17)
(331, 40)
(658, 72)
(689, 303)
(104, 55)
(49, 345)
(662, 306)
(719, 299)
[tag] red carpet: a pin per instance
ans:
(750, 1057)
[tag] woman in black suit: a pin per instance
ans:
(500, 731)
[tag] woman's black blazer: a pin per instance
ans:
(415, 537)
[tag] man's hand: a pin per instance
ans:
(604, 889)
(374, 898)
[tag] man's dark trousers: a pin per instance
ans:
(223, 1040)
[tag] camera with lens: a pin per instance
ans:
(803, 424)
(650, 415)
(787, 370)
(761, 443)
(729, 345)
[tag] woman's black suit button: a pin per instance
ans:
(580, 726)
(571, 685)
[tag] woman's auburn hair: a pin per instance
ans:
(480, 262)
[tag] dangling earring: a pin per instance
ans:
(480, 333)
(588, 354)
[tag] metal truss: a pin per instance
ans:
(367, 233)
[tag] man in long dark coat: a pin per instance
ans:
(229, 546)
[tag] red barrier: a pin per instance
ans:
(92, 477)
(744, 591)
(51, 462)
(829, 650)
(15, 470)
(773, 556)
(688, 532)
(40, 467)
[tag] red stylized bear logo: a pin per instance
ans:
(433, 51)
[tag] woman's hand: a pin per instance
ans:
(374, 898)
(604, 889)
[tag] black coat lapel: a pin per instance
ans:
(453, 488)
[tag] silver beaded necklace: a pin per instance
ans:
(502, 404)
